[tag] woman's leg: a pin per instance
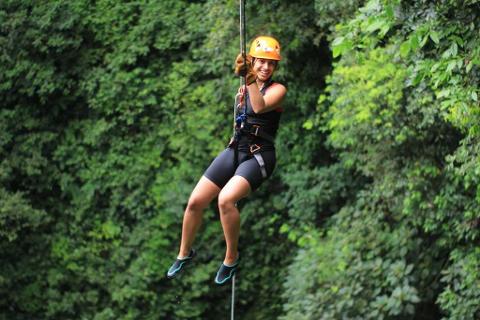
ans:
(203, 193)
(236, 189)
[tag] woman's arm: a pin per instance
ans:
(270, 101)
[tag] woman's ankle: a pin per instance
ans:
(230, 259)
(182, 254)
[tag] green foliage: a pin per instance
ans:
(365, 110)
(112, 110)
(17, 216)
(462, 293)
(329, 14)
(400, 109)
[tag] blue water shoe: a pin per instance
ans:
(225, 273)
(179, 264)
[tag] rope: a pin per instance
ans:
(243, 44)
(232, 315)
(243, 81)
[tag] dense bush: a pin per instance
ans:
(401, 110)
(112, 110)
(110, 113)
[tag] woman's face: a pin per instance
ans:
(264, 68)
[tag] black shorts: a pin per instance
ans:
(223, 167)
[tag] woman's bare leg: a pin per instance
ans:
(236, 189)
(203, 193)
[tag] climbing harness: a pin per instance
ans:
(250, 127)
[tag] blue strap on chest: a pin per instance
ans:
(241, 119)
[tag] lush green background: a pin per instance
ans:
(110, 111)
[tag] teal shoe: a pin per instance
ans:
(225, 273)
(180, 264)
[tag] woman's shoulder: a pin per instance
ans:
(276, 88)
(277, 85)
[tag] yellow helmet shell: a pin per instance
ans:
(266, 48)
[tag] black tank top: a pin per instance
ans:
(269, 121)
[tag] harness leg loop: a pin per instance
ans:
(261, 163)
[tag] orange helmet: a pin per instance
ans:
(266, 48)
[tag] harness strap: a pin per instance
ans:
(261, 163)
(257, 131)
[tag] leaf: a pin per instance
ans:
(338, 41)
(414, 41)
(340, 46)
(454, 49)
(443, 93)
(337, 46)
(405, 49)
(424, 41)
(435, 67)
(434, 36)
(308, 125)
(469, 66)
(376, 25)
(451, 66)
(390, 12)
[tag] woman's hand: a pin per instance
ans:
(244, 68)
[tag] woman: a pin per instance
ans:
(245, 164)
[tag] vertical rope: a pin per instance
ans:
(243, 37)
(243, 45)
(243, 81)
(232, 315)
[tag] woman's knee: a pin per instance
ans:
(196, 203)
(225, 202)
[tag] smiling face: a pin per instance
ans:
(264, 68)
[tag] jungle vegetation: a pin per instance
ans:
(111, 111)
